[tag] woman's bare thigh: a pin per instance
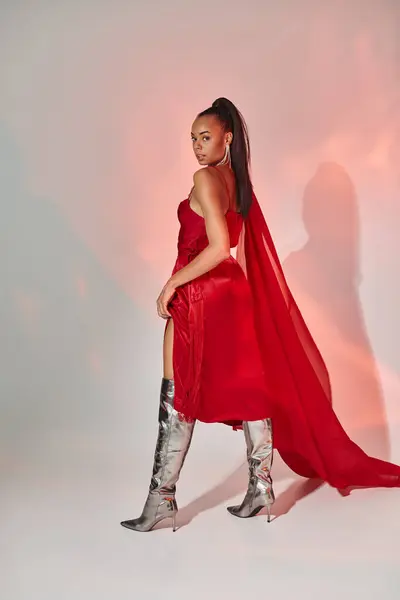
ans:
(168, 350)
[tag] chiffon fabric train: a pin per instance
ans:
(242, 352)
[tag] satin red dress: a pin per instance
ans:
(242, 351)
(217, 365)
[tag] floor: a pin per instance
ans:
(65, 494)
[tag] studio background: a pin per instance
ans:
(97, 100)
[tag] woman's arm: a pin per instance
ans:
(208, 194)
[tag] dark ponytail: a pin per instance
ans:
(232, 120)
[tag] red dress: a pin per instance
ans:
(217, 365)
(242, 351)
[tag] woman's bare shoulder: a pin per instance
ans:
(206, 177)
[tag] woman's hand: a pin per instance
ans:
(163, 299)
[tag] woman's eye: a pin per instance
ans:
(206, 138)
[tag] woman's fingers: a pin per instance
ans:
(162, 309)
(162, 305)
(165, 309)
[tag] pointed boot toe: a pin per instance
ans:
(131, 524)
(233, 510)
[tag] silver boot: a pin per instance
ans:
(259, 441)
(174, 437)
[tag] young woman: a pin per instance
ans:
(236, 348)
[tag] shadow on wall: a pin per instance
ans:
(63, 323)
(324, 276)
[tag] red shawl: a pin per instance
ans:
(307, 432)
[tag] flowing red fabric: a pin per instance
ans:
(307, 432)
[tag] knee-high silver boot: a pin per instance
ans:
(174, 437)
(259, 441)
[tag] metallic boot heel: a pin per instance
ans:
(174, 438)
(260, 493)
(268, 513)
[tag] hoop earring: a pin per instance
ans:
(226, 160)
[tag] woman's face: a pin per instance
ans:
(209, 140)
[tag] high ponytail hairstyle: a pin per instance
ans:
(232, 120)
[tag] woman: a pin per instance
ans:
(236, 348)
